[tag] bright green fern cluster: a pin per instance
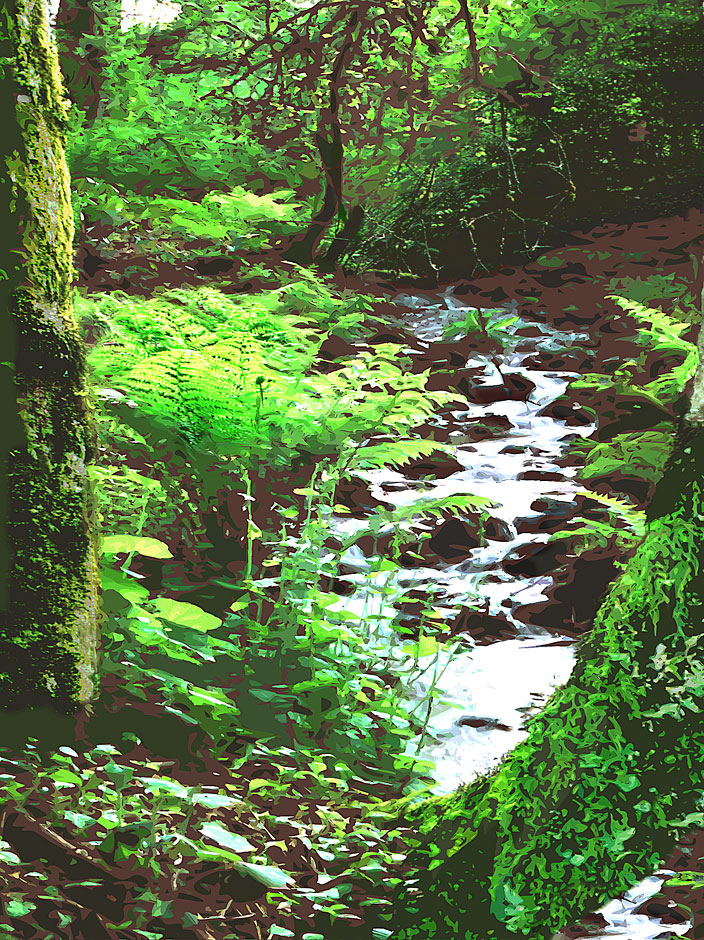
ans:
(234, 374)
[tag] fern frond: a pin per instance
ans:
(435, 507)
(643, 453)
(396, 453)
(634, 518)
(593, 534)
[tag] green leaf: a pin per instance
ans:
(425, 646)
(79, 820)
(152, 548)
(686, 879)
(214, 800)
(161, 785)
(268, 875)
(17, 908)
(187, 615)
(66, 777)
(6, 855)
(124, 585)
(225, 838)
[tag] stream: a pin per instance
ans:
(483, 686)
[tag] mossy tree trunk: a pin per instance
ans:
(613, 768)
(49, 624)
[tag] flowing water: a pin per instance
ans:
(480, 695)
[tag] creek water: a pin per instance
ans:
(475, 698)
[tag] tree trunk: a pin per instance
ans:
(81, 28)
(49, 624)
(302, 248)
(593, 799)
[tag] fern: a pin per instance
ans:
(593, 535)
(438, 506)
(662, 333)
(400, 518)
(233, 374)
(621, 508)
(396, 453)
(643, 454)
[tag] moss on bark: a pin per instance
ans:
(50, 625)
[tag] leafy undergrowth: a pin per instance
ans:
(245, 716)
(171, 852)
(657, 375)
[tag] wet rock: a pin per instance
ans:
(455, 538)
(454, 379)
(486, 724)
(490, 386)
(518, 449)
(354, 494)
(667, 912)
(380, 543)
(394, 487)
(592, 509)
(333, 348)
(573, 414)
(550, 504)
(549, 475)
(529, 331)
(497, 530)
(483, 394)
(429, 468)
(554, 515)
(531, 561)
(591, 924)
(579, 315)
(520, 387)
(514, 449)
(571, 605)
(571, 459)
(399, 339)
(439, 427)
(439, 356)
(488, 426)
(572, 361)
(630, 414)
(483, 627)
(452, 541)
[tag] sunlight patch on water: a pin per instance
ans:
(482, 700)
